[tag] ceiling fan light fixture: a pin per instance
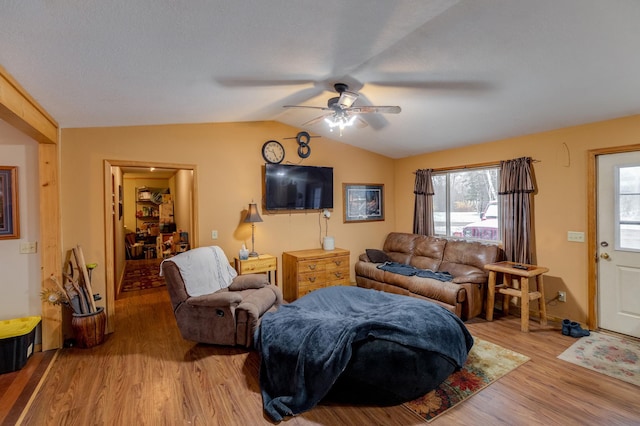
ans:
(340, 121)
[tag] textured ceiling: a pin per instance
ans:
(464, 72)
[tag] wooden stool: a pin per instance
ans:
(506, 288)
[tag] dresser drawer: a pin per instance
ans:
(257, 265)
(311, 279)
(311, 266)
(305, 290)
(340, 262)
(341, 274)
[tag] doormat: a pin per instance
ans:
(142, 274)
(611, 355)
(486, 363)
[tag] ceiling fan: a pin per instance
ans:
(340, 111)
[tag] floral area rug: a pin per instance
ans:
(486, 363)
(614, 356)
(142, 274)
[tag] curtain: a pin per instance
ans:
(423, 209)
(515, 194)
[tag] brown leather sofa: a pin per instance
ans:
(464, 295)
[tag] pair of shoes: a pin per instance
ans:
(573, 329)
(576, 331)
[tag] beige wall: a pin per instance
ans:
(20, 273)
(560, 202)
(183, 200)
(229, 175)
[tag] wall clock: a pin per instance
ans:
(273, 152)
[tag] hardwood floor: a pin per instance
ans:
(146, 374)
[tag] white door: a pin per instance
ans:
(619, 242)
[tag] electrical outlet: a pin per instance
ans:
(562, 296)
(214, 235)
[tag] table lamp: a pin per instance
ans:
(252, 217)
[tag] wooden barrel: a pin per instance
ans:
(88, 329)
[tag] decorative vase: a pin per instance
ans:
(88, 329)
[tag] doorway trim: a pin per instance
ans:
(592, 228)
(109, 228)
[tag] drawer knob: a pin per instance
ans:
(312, 267)
(312, 279)
(338, 274)
(338, 262)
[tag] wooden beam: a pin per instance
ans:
(50, 241)
(20, 110)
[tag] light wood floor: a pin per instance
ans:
(146, 374)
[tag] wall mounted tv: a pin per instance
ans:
(295, 187)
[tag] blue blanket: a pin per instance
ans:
(408, 270)
(307, 344)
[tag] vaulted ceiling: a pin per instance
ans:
(463, 72)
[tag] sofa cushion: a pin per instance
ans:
(469, 253)
(369, 270)
(443, 291)
(471, 278)
(244, 282)
(429, 247)
(428, 252)
(461, 270)
(399, 246)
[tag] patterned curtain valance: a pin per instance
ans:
(515, 176)
(423, 183)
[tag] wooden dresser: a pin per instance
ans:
(307, 270)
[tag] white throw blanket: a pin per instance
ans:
(204, 270)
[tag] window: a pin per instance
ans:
(628, 208)
(465, 203)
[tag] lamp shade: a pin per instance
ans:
(252, 214)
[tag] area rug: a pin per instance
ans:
(486, 363)
(142, 274)
(614, 356)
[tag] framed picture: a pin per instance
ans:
(363, 202)
(9, 219)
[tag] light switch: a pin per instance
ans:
(214, 235)
(576, 237)
(28, 248)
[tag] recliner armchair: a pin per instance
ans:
(211, 303)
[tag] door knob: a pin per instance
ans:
(605, 256)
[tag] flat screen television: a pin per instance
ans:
(295, 187)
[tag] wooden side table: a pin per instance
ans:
(524, 292)
(256, 265)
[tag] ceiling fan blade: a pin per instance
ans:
(360, 123)
(307, 107)
(418, 82)
(251, 82)
(347, 99)
(379, 109)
